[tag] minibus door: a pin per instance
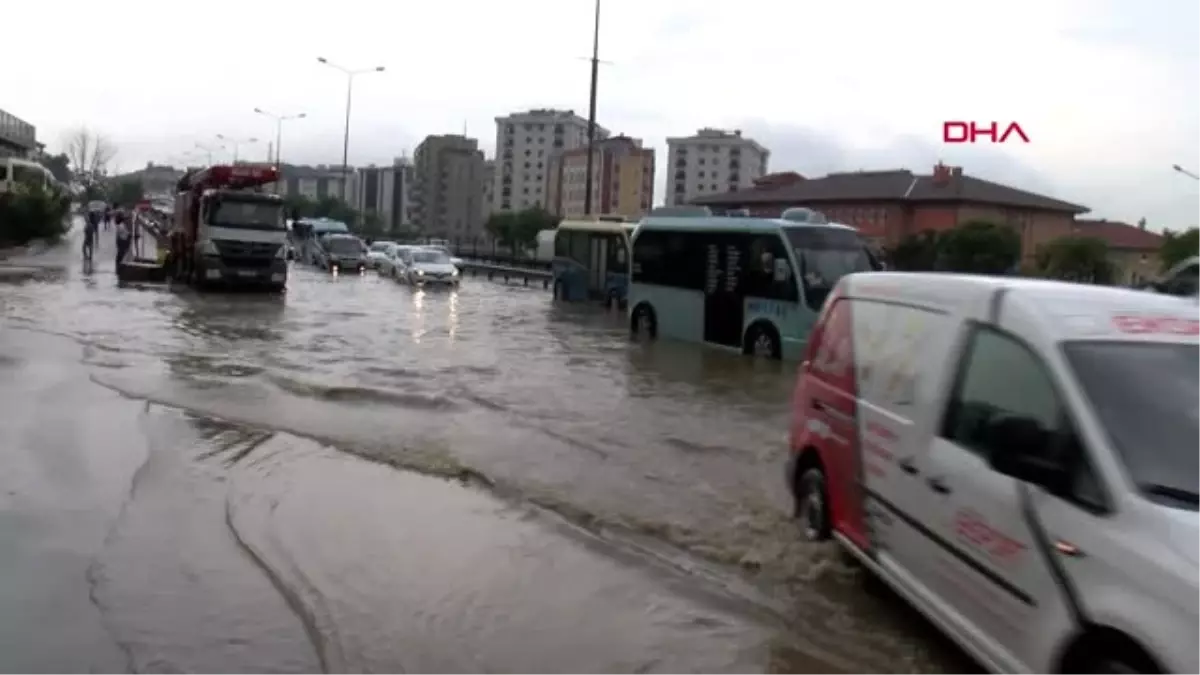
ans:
(724, 311)
(598, 268)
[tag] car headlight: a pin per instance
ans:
(454, 272)
(206, 247)
(420, 273)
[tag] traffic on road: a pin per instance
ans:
(402, 469)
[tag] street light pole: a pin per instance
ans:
(350, 74)
(235, 142)
(1185, 172)
(591, 148)
(279, 120)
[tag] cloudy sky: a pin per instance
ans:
(1107, 90)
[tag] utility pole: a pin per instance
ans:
(591, 157)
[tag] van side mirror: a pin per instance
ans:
(1020, 448)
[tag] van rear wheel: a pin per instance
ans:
(643, 324)
(763, 342)
(812, 504)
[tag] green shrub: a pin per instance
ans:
(32, 212)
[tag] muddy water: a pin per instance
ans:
(665, 457)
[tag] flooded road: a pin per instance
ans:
(611, 507)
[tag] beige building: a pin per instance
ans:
(385, 191)
(712, 162)
(525, 144)
(622, 180)
(489, 185)
(447, 191)
(1132, 250)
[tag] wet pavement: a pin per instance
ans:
(363, 477)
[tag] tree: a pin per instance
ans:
(1075, 258)
(518, 230)
(915, 253)
(89, 153)
(127, 193)
(979, 247)
(59, 165)
(1178, 246)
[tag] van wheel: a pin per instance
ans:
(812, 504)
(762, 341)
(643, 323)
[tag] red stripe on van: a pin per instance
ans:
(829, 390)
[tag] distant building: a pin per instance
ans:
(489, 184)
(887, 206)
(622, 179)
(712, 161)
(385, 191)
(447, 187)
(1132, 250)
(155, 178)
(525, 143)
(315, 182)
(18, 138)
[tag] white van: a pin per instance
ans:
(1017, 458)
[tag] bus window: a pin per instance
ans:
(28, 175)
(3, 171)
(768, 272)
(579, 247)
(825, 255)
(617, 257)
(648, 258)
(562, 244)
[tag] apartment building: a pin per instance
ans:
(18, 138)
(315, 182)
(489, 185)
(447, 188)
(525, 143)
(386, 191)
(622, 179)
(713, 161)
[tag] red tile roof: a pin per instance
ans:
(1119, 235)
(947, 184)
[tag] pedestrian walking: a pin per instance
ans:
(90, 230)
(124, 239)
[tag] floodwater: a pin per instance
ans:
(363, 477)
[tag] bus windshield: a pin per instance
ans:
(825, 255)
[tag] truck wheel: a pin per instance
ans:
(812, 504)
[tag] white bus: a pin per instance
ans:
(751, 284)
(14, 171)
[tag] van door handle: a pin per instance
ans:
(907, 466)
(938, 485)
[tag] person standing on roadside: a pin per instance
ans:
(124, 238)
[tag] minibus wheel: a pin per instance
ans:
(762, 341)
(643, 324)
(812, 503)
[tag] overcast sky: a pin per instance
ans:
(1107, 90)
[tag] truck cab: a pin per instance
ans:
(228, 231)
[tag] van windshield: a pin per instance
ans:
(248, 214)
(1146, 396)
(344, 245)
(825, 255)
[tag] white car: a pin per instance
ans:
(428, 267)
(395, 264)
(377, 252)
(457, 262)
(1016, 458)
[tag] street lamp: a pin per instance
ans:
(279, 120)
(591, 146)
(350, 74)
(235, 142)
(1185, 172)
(208, 150)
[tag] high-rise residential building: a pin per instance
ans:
(622, 180)
(712, 161)
(447, 187)
(525, 143)
(385, 191)
(489, 184)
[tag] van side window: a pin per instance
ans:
(562, 245)
(1001, 378)
(998, 377)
